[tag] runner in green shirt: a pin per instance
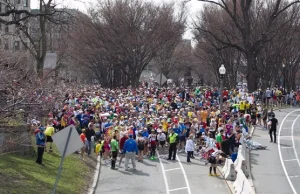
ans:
(219, 139)
(114, 147)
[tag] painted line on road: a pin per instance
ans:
(285, 147)
(178, 189)
(286, 136)
(184, 175)
(164, 173)
(293, 141)
(290, 160)
(295, 176)
(172, 169)
(280, 154)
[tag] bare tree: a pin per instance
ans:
(128, 34)
(255, 23)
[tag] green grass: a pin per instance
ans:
(20, 174)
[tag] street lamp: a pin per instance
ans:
(222, 72)
(283, 66)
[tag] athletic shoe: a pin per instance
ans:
(210, 174)
(216, 175)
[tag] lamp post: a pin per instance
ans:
(283, 66)
(222, 72)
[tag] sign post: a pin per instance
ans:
(62, 161)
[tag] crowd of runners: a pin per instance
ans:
(146, 123)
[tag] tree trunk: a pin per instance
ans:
(40, 67)
(252, 76)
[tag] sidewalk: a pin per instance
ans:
(267, 173)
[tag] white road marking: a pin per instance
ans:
(293, 141)
(290, 160)
(172, 169)
(280, 154)
(164, 173)
(284, 147)
(286, 136)
(178, 189)
(295, 176)
(184, 175)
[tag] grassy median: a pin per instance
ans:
(20, 174)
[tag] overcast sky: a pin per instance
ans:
(193, 6)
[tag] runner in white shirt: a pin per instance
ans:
(161, 137)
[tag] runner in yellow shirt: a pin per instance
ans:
(49, 132)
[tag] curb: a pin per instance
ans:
(230, 183)
(248, 161)
(92, 189)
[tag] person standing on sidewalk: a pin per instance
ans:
(114, 147)
(41, 143)
(173, 140)
(89, 132)
(273, 127)
(130, 149)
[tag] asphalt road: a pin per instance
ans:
(277, 169)
(161, 177)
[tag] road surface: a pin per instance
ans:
(277, 169)
(161, 177)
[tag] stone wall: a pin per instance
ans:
(15, 139)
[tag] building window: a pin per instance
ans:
(18, 1)
(17, 45)
(6, 8)
(6, 46)
(0, 7)
(25, 3)
(17, 31)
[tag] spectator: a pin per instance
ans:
(89, 133)
(41, 143)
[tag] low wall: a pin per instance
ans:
(15, 139)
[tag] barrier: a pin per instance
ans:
(243, 152)
(228, 170)
(241, 185)
(240, 162)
